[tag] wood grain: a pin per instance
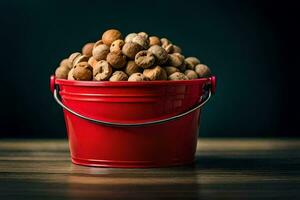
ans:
(225, 169)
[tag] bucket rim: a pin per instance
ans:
(129, 83)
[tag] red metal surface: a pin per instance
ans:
(213, 81)
(52, 83)
(167, 144)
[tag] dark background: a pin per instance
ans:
(251, 46)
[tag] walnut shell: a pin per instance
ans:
(164, 75)
(73, 56)
(87, 49)
(176, 49)
(171, 48)
(83, 72)
(97, 43)
(129, 37)
(182, 67)
(144, 34)
(141, 40)
(130, 49)
(110, 36)
(132, 67)
(191, 74)
(193, 60)
(175, 59)
(160, 54)
(66, 63)
(203, 71)
(189, 64)
(70, 75)
(100, 52)
(170, 70)
(116, 59)
(82, 58)
(178, 76)
(118, 76)
(165, 42)
(62, 72)
(102, 70)
(153, 40)
(138, 77)
(155, 73)
(117, 45)
(144, 59)
(92, 61)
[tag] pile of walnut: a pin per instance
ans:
(136, 58)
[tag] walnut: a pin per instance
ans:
(144, 59)
(98, 43)
(160, 54)
(191, 74)
(118, 76)
(132, 68)
(62, 72)
(100, 51)
(92, 61)
(203, 71)
(82, 58)
(129, 37)
(153, 40)
(70, 75)
(144, 34)
(117, 45)
(176, 59)
(171, 48)
(178, 76)
(110, 36)
(130, 49)
(138, 77)
(155, 73)
(87, 49)
(66, 63)
(141, 40)
(189, 64)
(176, 49)
(182, 67)
(116, 59)
(170, 70)
(164, 75)
(165, 42)
(102, 70)
(193, 60)
(83, 72)
(73, 56)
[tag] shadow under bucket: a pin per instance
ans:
(132, 124)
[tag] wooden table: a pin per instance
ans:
(225, 169)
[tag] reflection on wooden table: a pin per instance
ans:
(225, 169)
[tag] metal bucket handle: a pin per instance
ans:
(211, 90)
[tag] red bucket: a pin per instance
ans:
(132, 124)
